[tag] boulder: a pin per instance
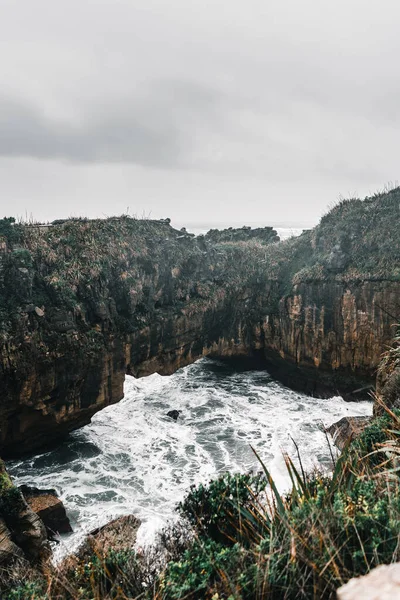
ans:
(50, 509)
(382, 583)
(119, 534)
(22, 532)
(174, 414)
(347, 429)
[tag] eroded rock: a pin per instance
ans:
(29, 533)
(50, 509)
(117, 534)
(22, 532)
(9, 551)
(347, 429)
(383, 583)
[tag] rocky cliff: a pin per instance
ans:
(22, 533)
(85, 302)
(339, 298)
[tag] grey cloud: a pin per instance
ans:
(154, 129)
(230, 100)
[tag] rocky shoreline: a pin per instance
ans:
(85, 302)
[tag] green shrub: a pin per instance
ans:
(224, 509)
(306, 544)
(118, 574)
(210, 570)
(9, 230)
(31, 590)
(11, 501)
(21, 257)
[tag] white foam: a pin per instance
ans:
(132, 458)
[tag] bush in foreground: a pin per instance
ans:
(305, 545)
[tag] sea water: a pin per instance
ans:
(134, 459)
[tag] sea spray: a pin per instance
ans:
(133, 458)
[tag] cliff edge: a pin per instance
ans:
(83, 302)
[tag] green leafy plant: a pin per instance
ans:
(224, 509)
(30, 590)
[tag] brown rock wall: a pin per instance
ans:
(118, 296)
(329, 336)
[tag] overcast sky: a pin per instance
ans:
(200, 110)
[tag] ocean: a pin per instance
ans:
(133, 458)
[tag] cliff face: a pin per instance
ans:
(328, 337)
(22, 532)
(339, 298)
(82, 303)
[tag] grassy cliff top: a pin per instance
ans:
(356, 240)
(118, 269)
(143, 264)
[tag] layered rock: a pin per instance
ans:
(347, 429)
(327, 337)
(49, 508)
(85, 302)
(22, 532)
(119, 533)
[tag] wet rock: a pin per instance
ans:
(347, 429)
(119, 534)
(174, 414)
(30, 490)
(49, 508)
(29, 533)
(8, 549)
(22, 532)
(382, 583)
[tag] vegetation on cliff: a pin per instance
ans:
(69, 288)
(265, 235)
(11, 500)
(356, 240)
(72, 294)
(116, 273)
(82, 302)
(77, 265)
